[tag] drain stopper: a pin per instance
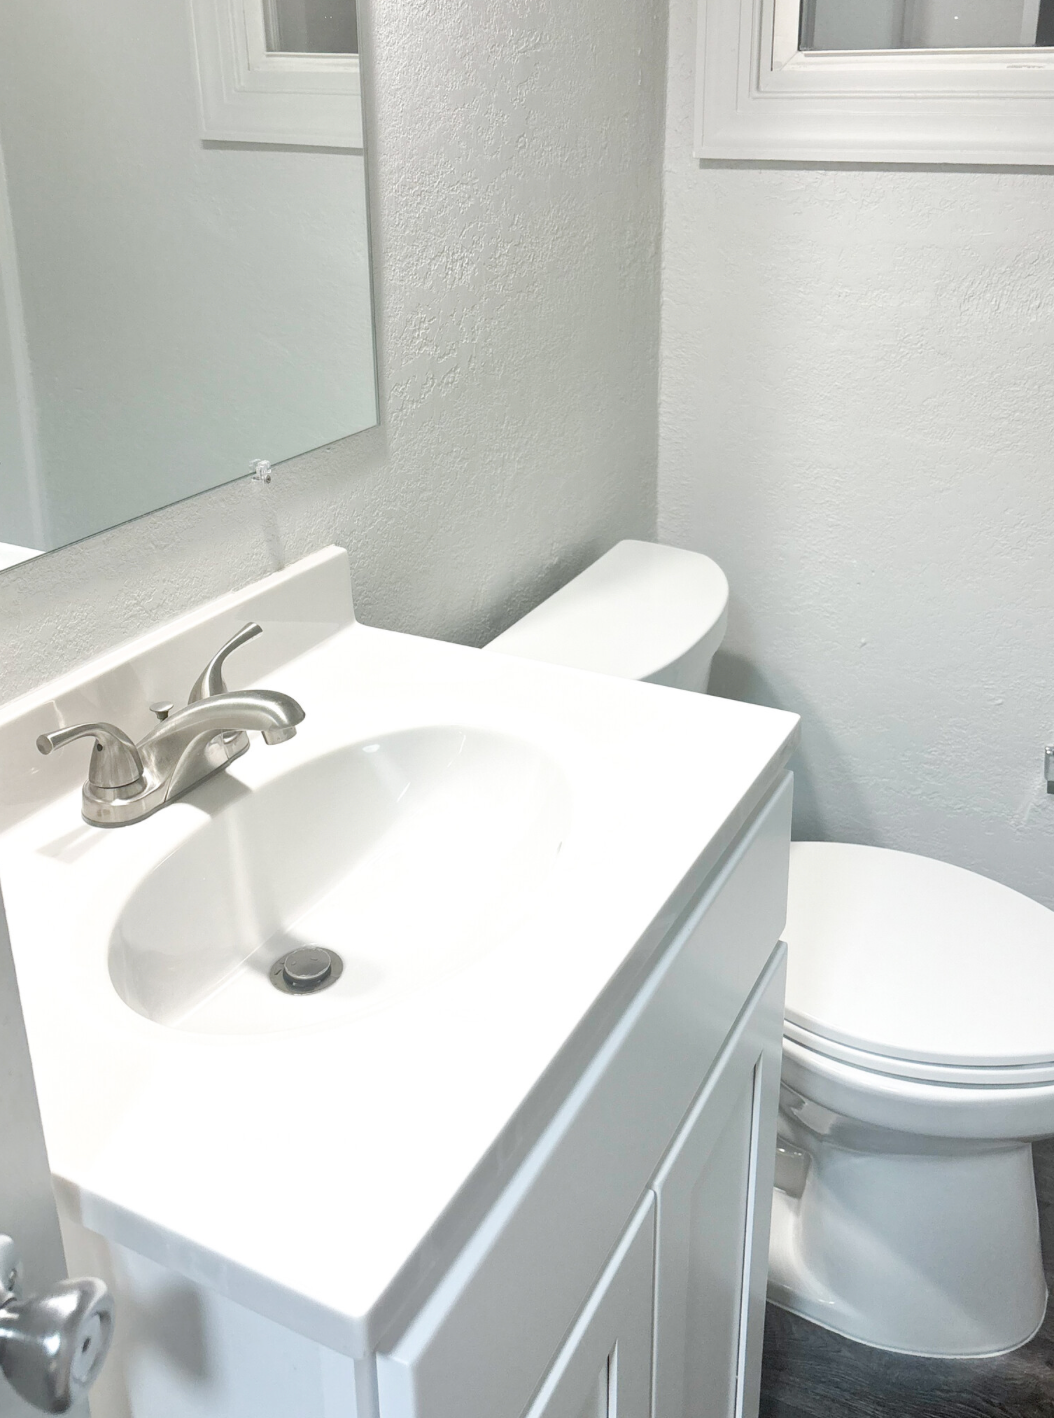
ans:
(306, 969)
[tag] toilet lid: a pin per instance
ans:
(637, 609)
(911, 958)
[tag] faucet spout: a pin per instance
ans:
(195, 742)
(239, 709)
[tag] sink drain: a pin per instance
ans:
(306, 970)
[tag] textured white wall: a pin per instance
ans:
(857, 422)
(515, 163)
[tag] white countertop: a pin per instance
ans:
(303, 1173)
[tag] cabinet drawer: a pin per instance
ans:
(482, 1342)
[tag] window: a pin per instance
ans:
(274, 71)
(906, 81)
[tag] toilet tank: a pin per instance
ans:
(643, 611)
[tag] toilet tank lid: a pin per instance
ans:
(637, 609)
(911, 958)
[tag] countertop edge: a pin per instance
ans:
(262, 1295)
(438, 1248)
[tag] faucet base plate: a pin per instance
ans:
(97, 812)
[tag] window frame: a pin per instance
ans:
(758, 97)
(250, 95)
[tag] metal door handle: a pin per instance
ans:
(52, 1346)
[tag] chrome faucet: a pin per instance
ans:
(128, 781)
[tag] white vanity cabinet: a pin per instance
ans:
(674, 1326)
(528, 1176)
(622, 1272)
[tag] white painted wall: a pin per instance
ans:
(857, 422)
(188, 307)
(515, 163)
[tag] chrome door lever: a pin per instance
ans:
(52, 1346)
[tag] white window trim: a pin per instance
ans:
(759, 97)
(251, 96)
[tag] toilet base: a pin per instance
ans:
(931, 1253)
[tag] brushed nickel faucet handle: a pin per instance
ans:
(211, 681)
(115, 764)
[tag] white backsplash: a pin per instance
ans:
(298, 608)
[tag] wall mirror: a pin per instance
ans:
(184, 253)
(898, 81)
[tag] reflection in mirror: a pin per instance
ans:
(310, 27)
(926, 24)
(173, 307)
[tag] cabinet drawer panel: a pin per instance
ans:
(482, 1342)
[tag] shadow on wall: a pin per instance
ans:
(531, 587)
(732, 677)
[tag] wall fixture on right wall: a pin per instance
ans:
(898, 81)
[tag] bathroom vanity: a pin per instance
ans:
(518, 1159)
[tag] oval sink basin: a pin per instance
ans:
(407, 857)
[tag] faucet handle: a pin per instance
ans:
(115, 761)
(211, 681)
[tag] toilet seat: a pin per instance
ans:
(918, 969)
(937, 1112)
(921, 1071)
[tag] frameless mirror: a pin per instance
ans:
(926, 24)
(184, 257)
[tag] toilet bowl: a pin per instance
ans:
(918, 1062)
(918, 1067)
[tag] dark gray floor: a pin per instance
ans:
(810, 1373)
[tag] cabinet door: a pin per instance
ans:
(604, 1368)
(714, 1193)
(479, 1345)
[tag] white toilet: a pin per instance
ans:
(918, 1062)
